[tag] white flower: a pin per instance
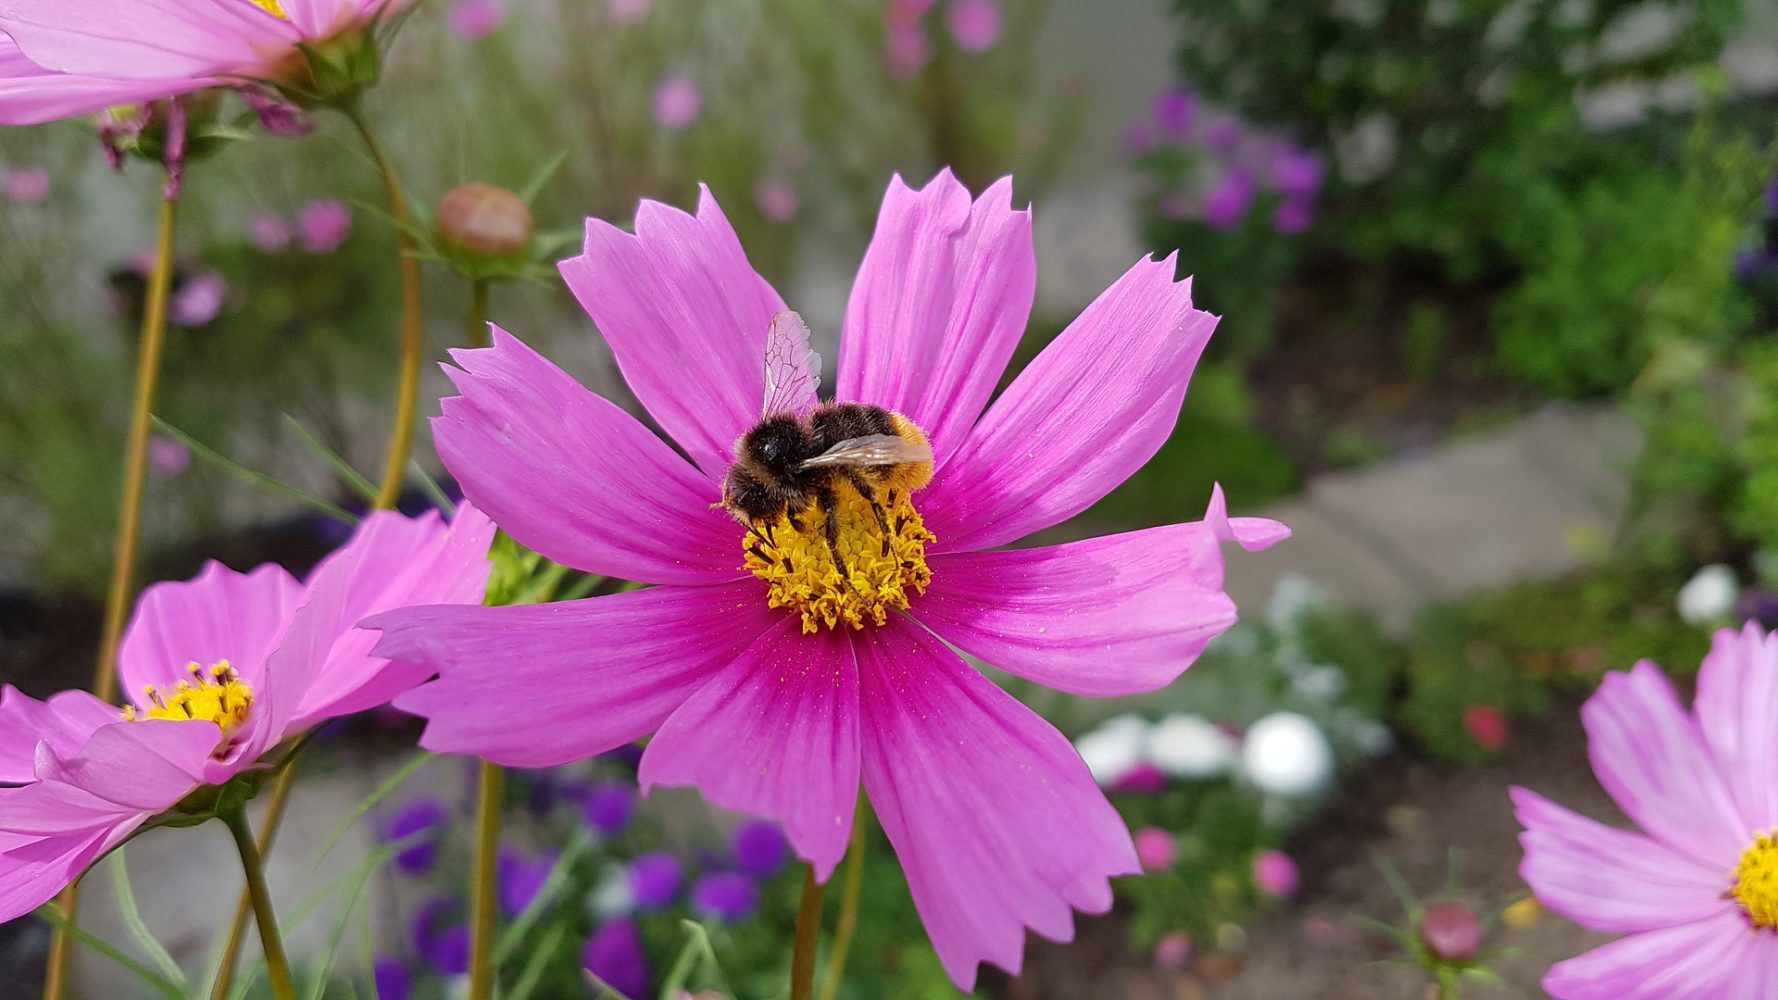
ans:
(1190, 746)
(1321, 682)
(611, 895)
(1114, 749)
(1709, 596)
(1293, 596)
(1285, 754)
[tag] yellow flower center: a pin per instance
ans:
(215, 695)
(271, 7)
(793, 557)
(1756, 881)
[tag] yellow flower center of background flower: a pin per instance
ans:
(270, 7)
(215, 695)
(792, 556)
(1756, 881)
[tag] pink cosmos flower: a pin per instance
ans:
(1156, 850)
(1275, 874)
(740, 665)
(675, 101)
(199, 299)
(222, 667)
(324, 224)
(974, 24)
(1696, 891)
(472, 20)
(26, 185)
(62, 58)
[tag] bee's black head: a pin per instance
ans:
(778, 443)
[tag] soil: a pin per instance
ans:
(1412, 812)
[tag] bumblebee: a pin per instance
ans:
(805, 454)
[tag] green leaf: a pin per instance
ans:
(429, 486)
(259, 479)
(132, 918)
(352, 477)
(515, 933)
(51, 914)
(534, 186)
(355, 890)
(369, 802)
(534, 969)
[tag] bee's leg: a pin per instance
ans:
(830, 528)
(869, 493)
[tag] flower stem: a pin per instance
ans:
(413, 330)
(129, 522)
(483, 890)
(237, 932)
(808, 937)
(277, 966)
(475, 325)
(849, 893)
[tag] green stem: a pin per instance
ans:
(413, 330)
(808, 938)
(237, 931)
(475, 325)
(849, 894)
(483, 890)
(129, 523)
(276, 964)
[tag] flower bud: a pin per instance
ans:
(484, 220)
(1450, 932)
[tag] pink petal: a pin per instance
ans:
(1607, 879)
(1088, 412)
(1711, 959)
(995, 818)
(939, 305)
(1648, 754)
(147, 765)
(1106, 616)
(1737, 706)
(65, 722)
(774, 734)
(34, 870)
(569, 474)
(146, 39)
(544, 684)
(58, 809)
(31, 95)
(686, 317)
(217, 615)
(391, 562)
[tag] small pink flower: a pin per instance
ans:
(676, 101)
(268, 232)
(1226, 204)
(627, 11)
(324, 224)
(782, 700)
(1696, 890)
(222, 668)
(167, 456)
(776, 200)
(906, 50)
(1156, 849)
(974, 24)
(1174, 109)
(199, 299)
(1173, 950)
(1486, 725)
(1275, 874)
(473, 20)
(26, 185)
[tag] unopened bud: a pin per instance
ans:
(484, 219)
(1450, 932)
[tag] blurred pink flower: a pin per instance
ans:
(776, 200)
(473, 20)
(1486, 725)
(198, 299)
(786, 711)
(906, 49)
(1292, 216)
(167, 456)
(1173, 950)
(1226, 204)
(1696, 890)
(324, 224)
(1156, 849)
(25, 185)
(1295, 172)
(1450, 931)
(676, 100)
(222, 668)
(974, 24)
(269, 232)
(1223, 133)
(1275, 874)
(1174, 109)
(627, 11)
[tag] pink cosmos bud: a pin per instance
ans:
(323, 224)
(1173, 950)
(473, 20)
(776, 200)
(1486, 725)
(1275, 874)
(269, 232)
(1156, 849)
(484, 219)
(627, 11)
(974, 24)
(1450, 932)
(25, 185)
(676, 102)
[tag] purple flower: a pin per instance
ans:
(24, 185)
(610, 806)
(473, 20)
(420, 824)
(1292, 216)
(199, 299)
(676, 101)
(1750, 264)
(1772, 196)
(654, 880)
(974, 24)
(1173, 110)
(391, 977)
(167, 456)
(447, 951)
(268, 232)
(759, 847)
(614, 954)
(521, 878)
(323, 224)
(1226, 204)
(1222, 133)
(726, 896)
(1295, 172)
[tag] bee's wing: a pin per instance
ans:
(793, 369)
(872, 449)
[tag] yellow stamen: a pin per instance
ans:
(792, 556)
(270, 7)
(215, 695)
(1756, 881)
